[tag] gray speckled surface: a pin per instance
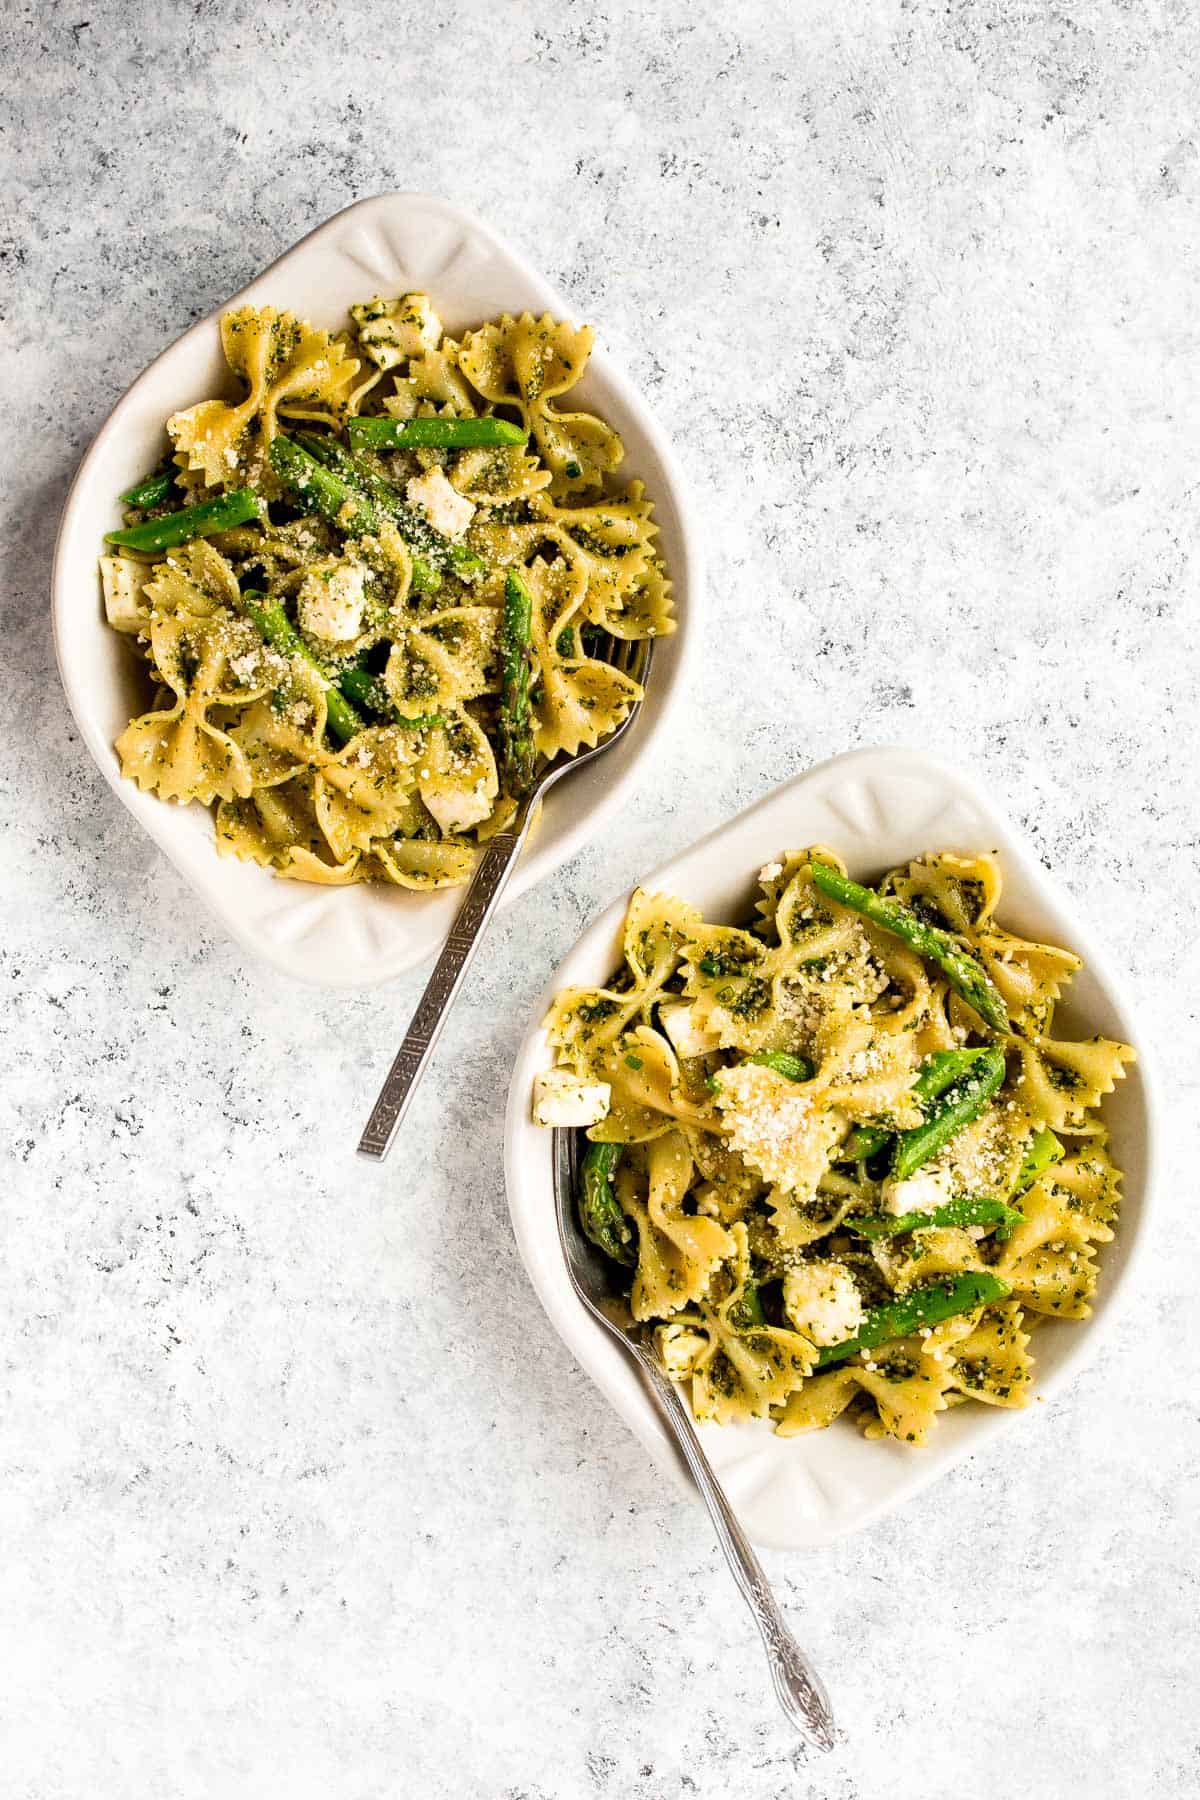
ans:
(300, 1493)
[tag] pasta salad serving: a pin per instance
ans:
(373, 589)
(837, 1158)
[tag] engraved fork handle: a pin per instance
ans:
(799, 1688)
(487, 885)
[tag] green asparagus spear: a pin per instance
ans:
(433, 434)
(796, 1068)
(600, 1214)
(966, 976)
(935, 1075)
(517, 753)
(344, 693)
(747, 1313)
(967, 1209)
(368, 690)
(152, 491)
(202, 520)
(281, 634)
(1044, 1151)
(425, 578)
(948, 1115)
(325, 490)
(919, 1307)
(430, 549)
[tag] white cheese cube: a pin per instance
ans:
(688, 1038)
(447, 510)
(331, 600)
(459, 809)
(124, 605)
(678, 1348)
(822, 1302)
(560, 1098)
(920, 1193)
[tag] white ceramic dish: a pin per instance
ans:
(358, 936)
(876, 808)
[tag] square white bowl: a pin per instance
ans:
(876, 808)
(355, 936)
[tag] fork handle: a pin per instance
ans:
(798, 1687)
(487, 884)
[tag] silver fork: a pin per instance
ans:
(799, 1688)
(487, 884)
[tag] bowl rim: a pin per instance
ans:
(539, 859)
(530, 1188)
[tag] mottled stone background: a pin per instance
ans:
(301, 1495)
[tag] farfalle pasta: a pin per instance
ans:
(839, 1156)
(330, 574)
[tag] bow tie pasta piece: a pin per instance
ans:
(611, 543)
(645, 610)
(745, 1366)
(614, 538)
(868, 1069)
(796, 1202)
(794, 1223)
(584, 1023)
(657, 931)
(179, 754)
(403, 337)
(1063, 1082)
(1030, 976)
(1051, 1259)
(278, 827)
(432, 384)
(285, 734)
(677, 1252)
(311, 866)
(443, 658)
(194, 597)
(959, 893)
(422, 865)
(781, 1128)
(528, 362)
(193, 582)
(817, 1402)
(389, 563)
(648, 1093)
(456, 774)
(795, 993)
(1090, 1181)
(497, 475)
(992, 1362)
(909, 1388)
(924, 1256)
(729, 980)
(268, 824)
(576, 700)
(284, 363)
(366, 791)
(221, 658)
(729, 1184)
